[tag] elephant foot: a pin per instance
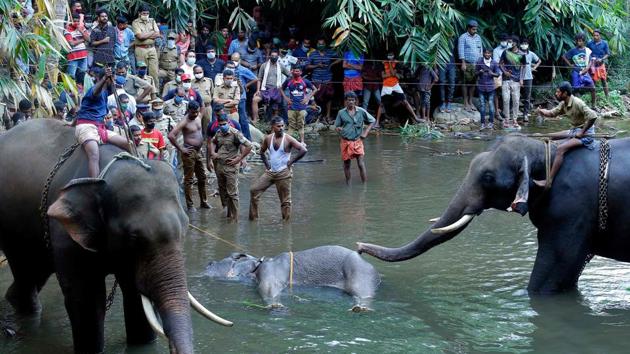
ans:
(25, 303)
(360, 308)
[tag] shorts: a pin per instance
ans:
(351, 149)
(425, 98)
(388, 90)
(296, 119)
(352, 84)
(325, 92)
(86, 132)
(498, 82)
(271, 96)
(599, 73)
(470, 74)
(581, 81)
(587, 141)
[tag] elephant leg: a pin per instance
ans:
(136, 325)
(29, 277)
(83, 285)
(559, 262)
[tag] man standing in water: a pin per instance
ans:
(582, 120)
(350, 124)
(278, 168)
(191, 154)
(227, 153)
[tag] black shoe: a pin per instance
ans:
(205, 205)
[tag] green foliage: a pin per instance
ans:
(613, 101)
(422, 131)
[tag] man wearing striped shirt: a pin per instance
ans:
(470, 51)
(76, 35)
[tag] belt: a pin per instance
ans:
(145, 45)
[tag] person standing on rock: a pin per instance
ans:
(487, 71)
(470, 51)
(353, 124)
(278, 168)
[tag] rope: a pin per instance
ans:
(604, 164)
(217, 237)
(290, 270)
(547, 163)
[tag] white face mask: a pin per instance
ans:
(504, 44)
(390, 57)
(524, 46)
(211, 55)
(170, 43)
(191, 61)
(187, 85)
(199, 76)
(144, 17)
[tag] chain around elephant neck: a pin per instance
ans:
(604, 164)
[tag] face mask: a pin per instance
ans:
(178, 99)
(236, 63)
(224, 128)
(199, 76)
(110, 125)
(144, 17)
(211, 55)
(504, 44)
(49, 86)
(191, 61)
(150, 125)
(274, 59)
(124, 107)
(121, 80)
(178, 78)
(524, 46)
(142, 72)
(158, 112)
(251, 50)
(170, 43)
(227, 83)
(187, 85)
(390, 57)
(321, 47)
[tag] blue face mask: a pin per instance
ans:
(121, 80)
(110, 125)
(178, 99)
(224, 128)
(142, 72)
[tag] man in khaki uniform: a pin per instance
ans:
(204, 86)
(134, 86)
(177, 107)
(164, 124)
(173, 84)
(146, 31)
(142, 74)
(169, 58)
(226, 152)
(228, 94)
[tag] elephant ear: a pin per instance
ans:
(79, 210)
(519, 205)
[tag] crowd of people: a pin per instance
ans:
(169, 92)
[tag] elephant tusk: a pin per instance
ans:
(434, 219)
(207, 313)
(454, 226)
(153, 321)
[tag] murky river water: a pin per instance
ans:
(467, 295)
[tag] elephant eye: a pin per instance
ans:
(487, 178)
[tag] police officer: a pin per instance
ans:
(169, 58)
(177, 106)
(146, 31)
(164, 124)
(173, 84)
(142, 74)
(205, 87)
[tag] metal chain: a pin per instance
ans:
(604, 162)
(43, 204)
(110, 298)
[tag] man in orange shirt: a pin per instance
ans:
(152, 136)
(392, 94)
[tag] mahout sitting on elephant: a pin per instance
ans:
(329, 266)
(128, 222)
(567, 216)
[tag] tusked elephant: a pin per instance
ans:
(566, 215)
(129, 223)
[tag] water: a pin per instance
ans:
(467, 295)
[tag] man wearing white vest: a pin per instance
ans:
(272, 75)
(275, 153)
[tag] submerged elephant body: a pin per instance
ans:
(329, 266)
(129, 223)
(566, 215)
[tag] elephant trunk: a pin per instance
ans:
(163, 279)
(452, 222)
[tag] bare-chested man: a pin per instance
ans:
(191, 154)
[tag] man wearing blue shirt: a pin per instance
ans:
(124, 37)
(320, 61)
(247, 78)
(470, 51)
(90, 129)
(600, 52)
(580, 59)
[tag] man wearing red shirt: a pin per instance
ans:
(152, 136)
(76, 35)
